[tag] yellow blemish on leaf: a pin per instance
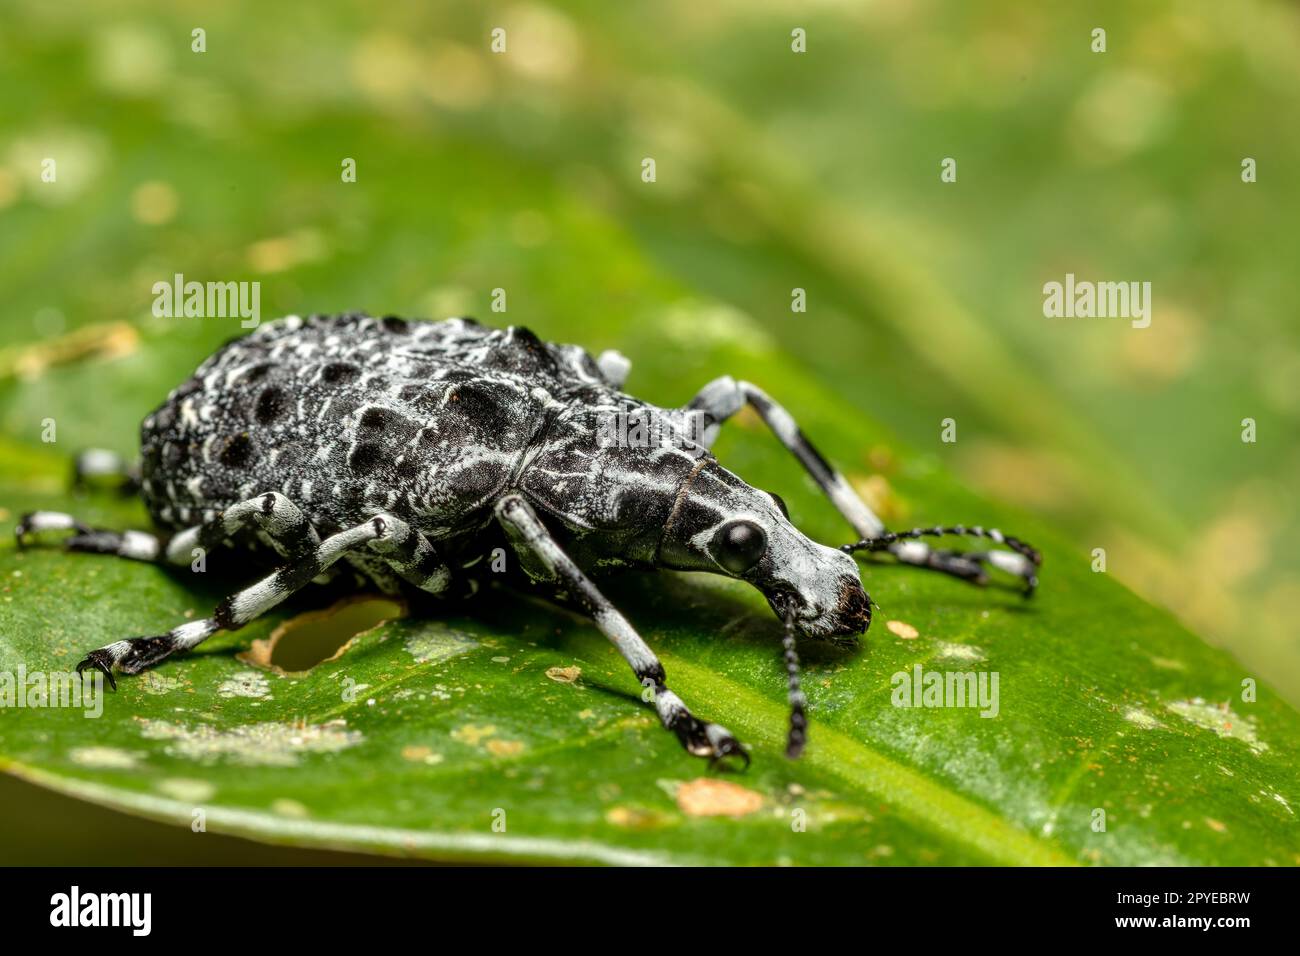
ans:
(636, 818)
(419, 754)
(902, 629)
(705, 797)
(880, 497)
(505, 748)
(473, 734)
(564, 675)
(289, 808)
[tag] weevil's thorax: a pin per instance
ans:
(351, 415)
(609, 468)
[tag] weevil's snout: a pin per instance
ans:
(827, 594)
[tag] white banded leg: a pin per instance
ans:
(137, 545)
(384, 534)
(723, 397)
(544, 557)
(280, 520)
(282, 523)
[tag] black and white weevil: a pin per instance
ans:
(409, 450)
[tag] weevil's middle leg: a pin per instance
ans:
(544, 555)
(401, 546)
(723, 397)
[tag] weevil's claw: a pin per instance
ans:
(710, 740)
(102, 661)
(733, 748)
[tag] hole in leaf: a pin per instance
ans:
(304, 641)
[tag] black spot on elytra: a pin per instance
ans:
(366, 457)
(485, 411)
(237, 451)
(407, 469)
(256, 373)
(337, 372)
(172, 454)
(393, 323)
(381, 419)
(271, 404)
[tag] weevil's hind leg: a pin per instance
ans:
(135, 654)
(279, 520)
(723, 397)
(100, 466)
(136, 545)
(543, 555)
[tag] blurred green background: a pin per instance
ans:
(775, 170)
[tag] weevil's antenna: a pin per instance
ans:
(883, 540)
(798, 735)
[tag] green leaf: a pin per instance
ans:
(424, 733)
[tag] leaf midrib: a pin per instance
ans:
(915, 797)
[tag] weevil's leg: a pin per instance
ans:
(413, 557)
(284, 526)
(99, 464)
(137, 545)
(614, 366)
(280, 520)
(723, 397)
(133, 655)
(543, 555)
(1022, 560)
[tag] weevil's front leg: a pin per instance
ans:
(135, 654)
(544, 557)
(723, 397)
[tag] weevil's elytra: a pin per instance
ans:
(408, 450)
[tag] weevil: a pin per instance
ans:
(409, 451)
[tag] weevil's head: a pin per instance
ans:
(721, 524)
(671, 505)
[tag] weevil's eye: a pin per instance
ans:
(780, 503)
(738, 545)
